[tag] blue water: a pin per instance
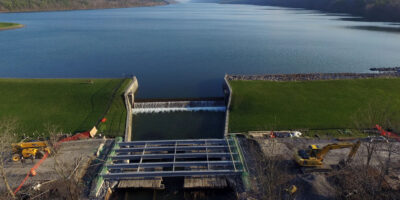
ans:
(183, 50)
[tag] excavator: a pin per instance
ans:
(29, 150)
(311, 159)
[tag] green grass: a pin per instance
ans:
(116, 115)
(333, 104)
(6, 25)
(72, 105)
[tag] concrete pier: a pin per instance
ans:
(149, 183)
(205, 182)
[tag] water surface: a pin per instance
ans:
(178, 125)
(183, 50)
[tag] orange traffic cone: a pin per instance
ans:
(33, 172)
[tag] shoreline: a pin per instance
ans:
(360, 13)
(73, 9)
(310, 76)
(15, 26)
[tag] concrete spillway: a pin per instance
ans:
(178, 106)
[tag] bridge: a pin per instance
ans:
(173, 158)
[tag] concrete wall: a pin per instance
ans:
(129, 97)
(228, 97)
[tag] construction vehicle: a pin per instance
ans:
(29, 150)
(313, 157)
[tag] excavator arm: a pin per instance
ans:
(354, 147)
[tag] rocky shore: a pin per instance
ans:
(311, 76)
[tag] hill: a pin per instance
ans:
(377, 10)
(46, 5)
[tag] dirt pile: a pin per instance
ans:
(314, 186)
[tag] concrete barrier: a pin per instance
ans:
(228, 97)
(129, 97)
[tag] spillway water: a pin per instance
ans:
(178, 106)
(175, 109)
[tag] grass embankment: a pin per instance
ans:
(116, 114)
(72, 105)
(6, 26)
(313, 105)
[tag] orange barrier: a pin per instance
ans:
(387, 133)
(33, 169)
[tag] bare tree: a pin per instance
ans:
(367, 118)
(7, 137)
(67, 170)
(269, 169)
(69, 178)
(371, 148)
(364, 180)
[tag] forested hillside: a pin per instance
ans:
(39, 5)
(382, 10)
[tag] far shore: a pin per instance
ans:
(8, 26)
(72, 9)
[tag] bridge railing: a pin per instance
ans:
(237, 154)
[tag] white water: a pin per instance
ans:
(180, 109)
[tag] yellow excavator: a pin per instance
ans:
(29, 150)
(313, 157)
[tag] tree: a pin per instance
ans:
(67, 171)
(269, 168)
(7, 137)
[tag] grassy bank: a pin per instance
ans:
(334, 104)
(6, 26)
(116, 113)
(71, 104)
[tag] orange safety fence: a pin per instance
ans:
(32, 171)
(387, 133)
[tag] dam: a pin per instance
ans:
(179, 105)
(212, 159)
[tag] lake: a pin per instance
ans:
(184, 50)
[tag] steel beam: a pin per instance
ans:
(178, 148)
(170, 164)
(171, 156)
(172, 142)
(128, 175)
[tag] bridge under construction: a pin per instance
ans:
(174, 158)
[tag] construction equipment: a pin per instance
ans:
(291, 190)
(313, 157)
(30, 150)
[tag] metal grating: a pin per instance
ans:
(173, 158)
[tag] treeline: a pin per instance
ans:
(42, 5)
(380, 10)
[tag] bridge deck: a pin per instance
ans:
(172, 158)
